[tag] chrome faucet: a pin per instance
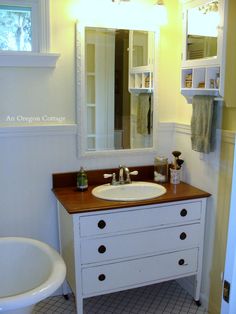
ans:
(123, 170)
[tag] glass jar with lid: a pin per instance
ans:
(161, 169)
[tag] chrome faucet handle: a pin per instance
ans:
(134, 173)
(128, 174)
(109, 175)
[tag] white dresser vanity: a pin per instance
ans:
(113, 246)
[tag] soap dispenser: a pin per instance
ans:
(82, 180)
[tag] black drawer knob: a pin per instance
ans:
(181, 262)
(101, 277)
(101, 224)
(183, 212)
(102, 249)
(183, 236)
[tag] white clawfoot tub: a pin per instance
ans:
(30, 271)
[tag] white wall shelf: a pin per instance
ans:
(200, 81)
(141, 80)
(141, 60)
(203, 51)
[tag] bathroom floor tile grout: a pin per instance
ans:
(163, 298)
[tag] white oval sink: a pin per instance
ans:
(134, 191)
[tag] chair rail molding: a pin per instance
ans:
(38, 130)
(227, 136)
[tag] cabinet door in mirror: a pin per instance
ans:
(140, 48)
(114, 117)
(202, 30)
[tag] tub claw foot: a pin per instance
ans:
(66, 296)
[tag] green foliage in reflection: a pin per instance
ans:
(15, 29)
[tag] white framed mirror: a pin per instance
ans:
(116, 97)
(203, 32)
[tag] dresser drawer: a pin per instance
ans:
(139, 243)
(140, 218)
(138, 271)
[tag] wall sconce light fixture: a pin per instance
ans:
(118, 1)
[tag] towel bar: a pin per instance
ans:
(190, 99)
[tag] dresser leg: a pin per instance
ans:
(79, 305)
(197, 288)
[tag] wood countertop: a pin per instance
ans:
(64, 188)
(80, 202)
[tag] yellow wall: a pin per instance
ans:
(229, 114)
(172, 106)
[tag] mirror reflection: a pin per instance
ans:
(119, 88)
(202, 31)
(140, 48)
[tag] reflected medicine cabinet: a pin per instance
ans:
(141, 60)
(203, 47)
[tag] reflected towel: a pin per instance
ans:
(203, 124)
(143, 114)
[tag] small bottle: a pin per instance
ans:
(82, 180)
